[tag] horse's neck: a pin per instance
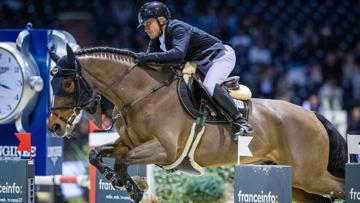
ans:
(110, 78)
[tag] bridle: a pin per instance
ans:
(79, 100)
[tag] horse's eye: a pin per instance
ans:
(68, 84)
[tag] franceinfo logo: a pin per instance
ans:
(12, 188)
(260, 198)
(354, 194)
(105, 185)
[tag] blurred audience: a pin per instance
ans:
(307, 53)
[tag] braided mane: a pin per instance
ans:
(122, 55)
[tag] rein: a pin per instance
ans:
(126, 107)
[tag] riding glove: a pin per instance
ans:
(141, 58)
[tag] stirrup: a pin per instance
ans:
(248, 129)
(239, 133)
(243, 126)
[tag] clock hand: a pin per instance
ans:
(5, 86)
(3, 69)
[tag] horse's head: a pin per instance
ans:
(71, 93)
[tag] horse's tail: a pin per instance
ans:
(338, 148)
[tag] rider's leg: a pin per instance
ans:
(219, 70)
(240, 125)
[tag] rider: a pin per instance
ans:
(174, 41)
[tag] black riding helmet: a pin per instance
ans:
(152, 9)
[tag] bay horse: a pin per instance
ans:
(154, 126)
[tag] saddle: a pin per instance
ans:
(195, 98)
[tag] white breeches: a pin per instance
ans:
(219, 69)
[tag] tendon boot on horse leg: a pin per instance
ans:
(130, 185)
(239, 126)
(95, 158)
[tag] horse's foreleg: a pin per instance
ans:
(150, 152)
(131, 186)
(147, 153)
(95, 158)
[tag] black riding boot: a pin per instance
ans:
(240, 125)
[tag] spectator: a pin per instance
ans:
(332, 67)
(266, 83)
(259, 54)
(241, 39)
(331, 95)
(312, 103)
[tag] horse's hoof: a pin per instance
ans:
(137, 196)
(117, 184)
(141, 183)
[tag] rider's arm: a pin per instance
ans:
(153, 46)
(180, 42)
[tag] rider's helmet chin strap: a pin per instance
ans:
(160, 26)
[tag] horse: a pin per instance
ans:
(154, 126)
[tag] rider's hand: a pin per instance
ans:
(140, 58)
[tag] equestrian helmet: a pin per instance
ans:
(152, 9)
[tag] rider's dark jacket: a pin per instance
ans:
(183, 43)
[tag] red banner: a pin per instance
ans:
(25, 142)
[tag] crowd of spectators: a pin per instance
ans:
(305, 52)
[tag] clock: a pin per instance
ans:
(11, 81)
(20, 82)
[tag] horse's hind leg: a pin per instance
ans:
(310, 174)
(300, 196)
(308, 154)
(328, 184)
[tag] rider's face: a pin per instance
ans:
(152, 28)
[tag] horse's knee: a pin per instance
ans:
(93, 157)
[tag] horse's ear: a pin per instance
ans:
(53, 56)
(70, 54)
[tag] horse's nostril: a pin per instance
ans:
(56, 127)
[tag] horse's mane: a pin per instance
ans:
(122, 56)
(108, 52)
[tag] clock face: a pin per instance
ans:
(11, 83)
